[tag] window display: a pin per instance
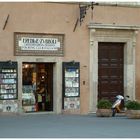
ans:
(71, 79)
(28, 97)
(28, 94)
(37, 80)
(8, 80)
(71, 85)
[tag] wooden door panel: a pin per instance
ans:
(110, 70)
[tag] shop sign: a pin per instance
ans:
(27, 43)
(38, 44)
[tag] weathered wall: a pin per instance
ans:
(61, 18)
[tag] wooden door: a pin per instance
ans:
(110, 70)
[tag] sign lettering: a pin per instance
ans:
(27, 43)
(37, 44)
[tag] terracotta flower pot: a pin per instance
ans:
(104, 113)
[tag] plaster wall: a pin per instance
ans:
(59, 18)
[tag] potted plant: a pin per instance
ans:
(133, 109)
(104, 108)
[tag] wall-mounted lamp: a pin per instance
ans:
(72, 62)
(84, 8)
(10, 62)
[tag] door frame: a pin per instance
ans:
(57, 79)
(116, 34)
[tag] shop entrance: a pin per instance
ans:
(37, 86)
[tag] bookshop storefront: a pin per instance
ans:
(39, 80)
(39, 57)
(48, 83)
(33, 83)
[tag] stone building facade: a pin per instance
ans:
(44, 46)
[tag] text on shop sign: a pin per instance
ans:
(51, 44)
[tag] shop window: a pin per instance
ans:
(8, 80)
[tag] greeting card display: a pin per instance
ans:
(8, 80)
(71, 85)
(71, 78)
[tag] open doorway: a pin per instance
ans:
(37, 80)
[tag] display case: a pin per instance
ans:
(71, 82)
(28, 98)
(8, 80)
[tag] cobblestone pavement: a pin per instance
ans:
(67, 126)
